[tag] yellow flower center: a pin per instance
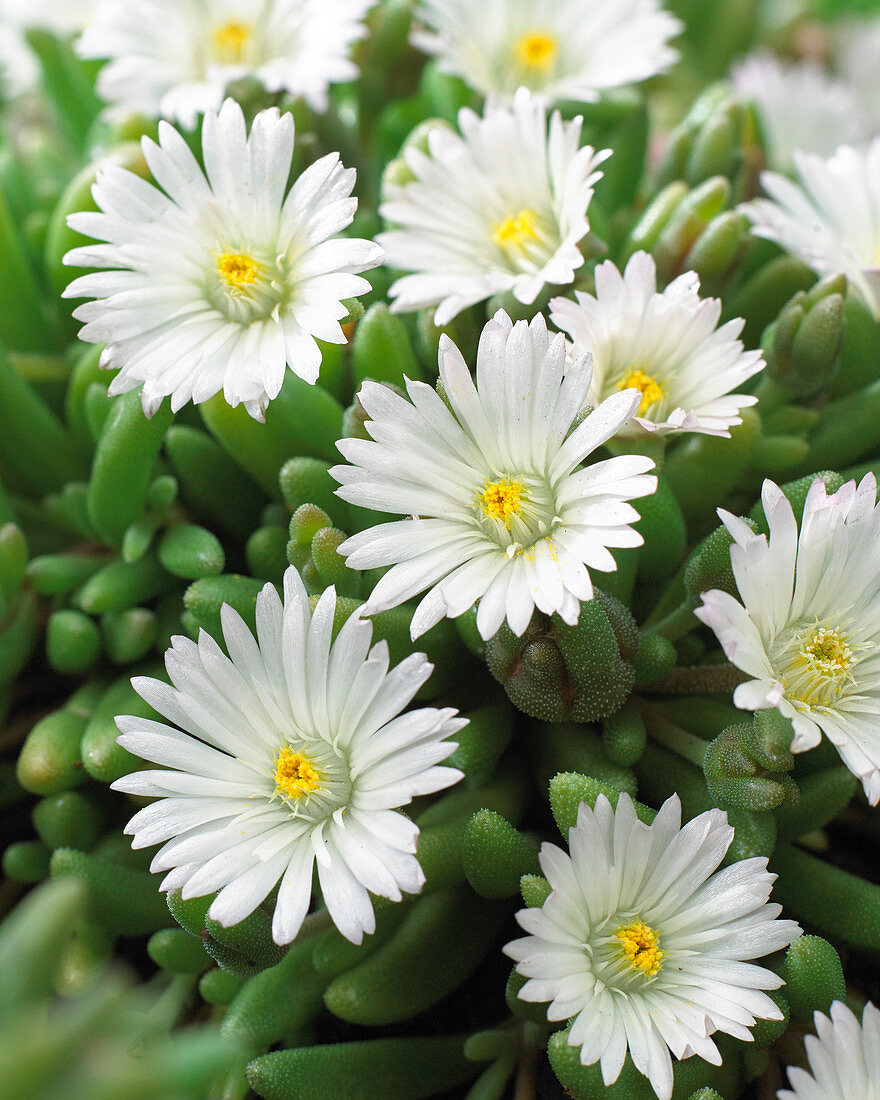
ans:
(648, 387)
(237, 270)
(641, 946)
(536, 50)
(516, 231)
(502, 500)
(230, 40)
(295, 775)
(819, 668)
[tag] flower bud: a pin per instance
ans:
(803, 345)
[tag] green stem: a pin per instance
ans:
(677, 623)
(673, 737)
(700, 680)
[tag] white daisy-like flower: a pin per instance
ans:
(562, 49)
(62, 17)
(499, 207)
(644, 942)
(844, 1058)
(175, 58)
(224, 278)
(666, 345)
(808, 626)
(831, 219)
(800, 107)
(294, 752)
(502, 512)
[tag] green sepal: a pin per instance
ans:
(569, 790)
(177, 951)
(381, 349)
(408, 1069)
(765, 1032)
(655, 657)
(68, 820)
(218, 987)
(204, 598)
(623, 736)
(813, 978)
(495, 855)
(73, 641)
(243, 948)
(117, 898)
(535, 890)
(416, 968)
(482, 743)
(277, 1001)
(122, 468)
(191, 552)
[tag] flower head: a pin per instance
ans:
(500, 207)
(293, 753)
(644, 946)
(808, 626)
(501, 511)
(844, 1059)
(175, 58)
(666, 345)
(224, 278)
(799, 107)
(562, 49)
(830, 219)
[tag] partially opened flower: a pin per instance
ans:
(563, 49)
(808, 624)
(224, 278)
(844, 1058)
(831, 218)
(799, 107)
(666, 345)
(500, 207)
(502, 510)
(292, 752)
(644, 943)
(175, 58)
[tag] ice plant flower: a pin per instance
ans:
(499, 207)
(807, 625)
(562, 49)
(643, 942)
(292, 752)
(666, 345)
(224, 278)
(175, 58)
(829, 219)
(502, 511)
(844, 1058)
(799, 107)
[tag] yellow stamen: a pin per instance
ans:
(536, 50)
(501, 500)
(641, 945)
(295, 775)
(819, 669)
(514, 232)
(648, 387)
(236, 269)
(827, 652)
(230, 40)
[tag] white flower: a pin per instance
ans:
(62, 17)
(175, 58)
(799, 106)
(501, 511)
(844, 1059)
(667, 346)
(831, 220)
(644, 946)
(500, 208)
(225, 277)
(563, 49)
(808, 627)
(19, 71)
(857, 56)
(295, 753)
